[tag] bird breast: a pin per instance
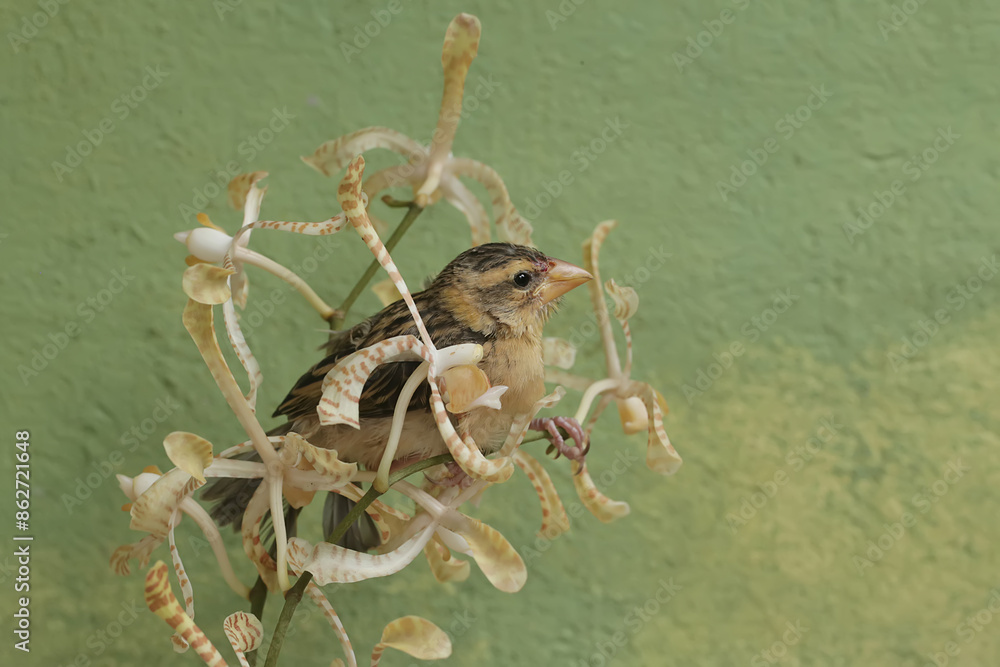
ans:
(517, 364)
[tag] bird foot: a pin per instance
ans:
(581, 445)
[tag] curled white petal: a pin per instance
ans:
(457, 355)
(330, 563)
(490, 398)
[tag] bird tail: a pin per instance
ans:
(361, 536)
(232, 495)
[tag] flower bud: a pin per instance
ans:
(206, 243)
(632, 412)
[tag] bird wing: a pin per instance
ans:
(378, 398)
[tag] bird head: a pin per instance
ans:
(502, 286)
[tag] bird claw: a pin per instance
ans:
(581, 444)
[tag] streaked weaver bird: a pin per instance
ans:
(498, 295)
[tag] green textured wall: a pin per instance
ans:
(886, 429)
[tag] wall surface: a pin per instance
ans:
(869, 400)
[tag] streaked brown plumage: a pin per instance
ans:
(498, 295)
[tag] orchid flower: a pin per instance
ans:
(433, 172)
(640, 406)
(157, 502)
(209, 243)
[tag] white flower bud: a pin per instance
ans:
(632, 412)
(205, 243)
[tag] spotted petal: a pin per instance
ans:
(400, 175)
(316, 593)
(510, 225)
(444, 565)
(244, 632)
(152, 511)
(661, 456)
(139, 551)
(602, 507)
(186, 589)
(492, 552)
(464, 449)
(343, 385)
(554, 519)
(414, 636)
(207, 283)
(625, 298)
(461, 44)
(161, 601)
(252, 547)
(323, 460)
(241, 186)
(121, 556)
(591, 255)
(189, 452)
(352, 200)
(330, 563)
(249, 362)
(335, 154)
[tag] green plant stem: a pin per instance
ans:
(337, 321)
(292, 599)
(258, 596)
(295, 593)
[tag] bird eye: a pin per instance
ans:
(522, 278)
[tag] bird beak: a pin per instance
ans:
(561, 278)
